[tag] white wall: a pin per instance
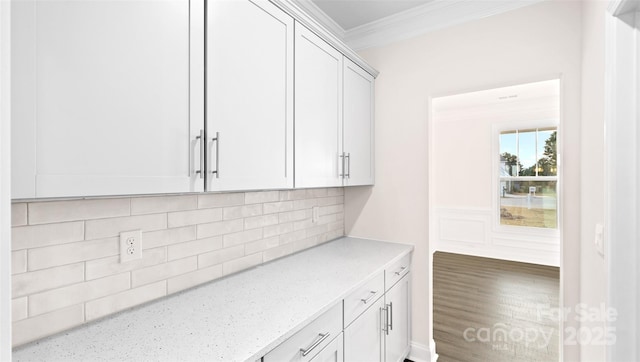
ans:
(593, 275)
(542, 40)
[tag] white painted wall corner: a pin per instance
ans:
(423, 353)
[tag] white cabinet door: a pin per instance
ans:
(249, 96)
(358, 125)
(363, 339)
(333, 352)
(318, 111)
(102, 100)
(397, 341)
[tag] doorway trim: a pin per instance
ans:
(622, 157)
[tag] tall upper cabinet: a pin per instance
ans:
(318, 113)
(249, 102)
(334, 116)
(105, 97)
(358, 125)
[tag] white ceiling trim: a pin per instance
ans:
(432, 16)
(320, 16)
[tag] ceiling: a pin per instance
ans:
(350, 14)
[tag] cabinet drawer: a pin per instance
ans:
(361, 299)
(305, 344)
(396, 271)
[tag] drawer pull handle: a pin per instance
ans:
(306, 351)
(401, 270)
(372, 294)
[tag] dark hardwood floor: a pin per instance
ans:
(494, 310)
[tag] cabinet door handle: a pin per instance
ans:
(342, 158)
(306, 351)
(385, 327)
(202, 144)
(216, 139)
(391, 315)
(401, 270)
(366, 300)
(348, 159)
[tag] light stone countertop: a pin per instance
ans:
(238, 318)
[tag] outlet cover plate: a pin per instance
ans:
(130, 245)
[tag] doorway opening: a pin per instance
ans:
(495, 190)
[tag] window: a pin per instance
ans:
(529, 178)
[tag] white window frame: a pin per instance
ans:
(498, 129)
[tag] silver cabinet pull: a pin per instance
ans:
(372, 294)
(348, 158)
(401, 270)
(391, 315)
(385, 327)
(202, 144)
(216, 139)
(341, 175)
(306, 351)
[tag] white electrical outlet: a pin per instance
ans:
(130, 245)
(599, 239)
(315, 212)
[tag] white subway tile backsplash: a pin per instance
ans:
(19, 309)
(163, 271)
(77, 293)
(25, 237)
(269, 231)
(261, 197)
(220, 256)
(59, 211)
(220, 200)
(159, 204)
(192, 279)
(114, 303)
(260, 221)
(277, 252)
(236, 212)
(49, 256)
(260, 245)
(275, 207)
(18, 261)
(33, 282)
(108, 266)
(202, 216)
(66, 264)
(246, 262)
(30, 329)
(294, 215)
(195, 247)
(18, 214)
(219, 228)
(294, 236)
(241, 237)
(159, 238)
(103, 228)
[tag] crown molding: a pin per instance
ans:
(432, 16)
(619, 7)
(321, 17)
(302, 17)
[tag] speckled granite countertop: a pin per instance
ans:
(238, 318)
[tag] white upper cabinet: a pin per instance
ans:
(318, 111)
(106, 97)
(249, 96)
(358, 125)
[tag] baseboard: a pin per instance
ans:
(423, 353)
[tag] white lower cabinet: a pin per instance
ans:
(363, 339)
(334, 352)
(313, 338)
(397, 332)
(377, 324)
